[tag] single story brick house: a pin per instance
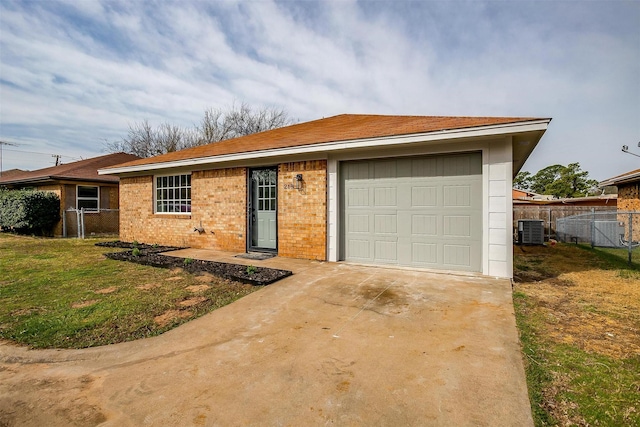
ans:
(77, 184)
(417, 191)
(628, 185)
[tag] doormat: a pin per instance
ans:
(256, 256)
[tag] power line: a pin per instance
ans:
(2, 144)
(44, 154)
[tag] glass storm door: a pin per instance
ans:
(262, 207)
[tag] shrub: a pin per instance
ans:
(29, 211)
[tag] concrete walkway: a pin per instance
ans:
(333, 344)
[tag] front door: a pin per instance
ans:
(263, 209)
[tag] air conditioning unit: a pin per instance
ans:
(530, 232)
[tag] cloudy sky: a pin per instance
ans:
(74, 74)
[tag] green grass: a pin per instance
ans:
(599, 390)
(617, 257)
(42, 280)
(569, 385)
(538, 375)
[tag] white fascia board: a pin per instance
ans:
(620, 179)
(443, 135)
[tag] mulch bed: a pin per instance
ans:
(151, 255)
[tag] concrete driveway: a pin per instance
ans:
(334, 344)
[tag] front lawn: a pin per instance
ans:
(578, 314)
(64, 293)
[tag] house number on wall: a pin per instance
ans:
(296, 183)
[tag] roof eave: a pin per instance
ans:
(441, 135)
(52, 179)
(620, 180)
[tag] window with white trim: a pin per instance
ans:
(173, 194)
(87, 197)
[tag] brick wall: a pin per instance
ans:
(113, 197)
(629, 201)
(219, 201)
(629, 197)
(302, 214)
(218, 205)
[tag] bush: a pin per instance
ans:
(29, 211)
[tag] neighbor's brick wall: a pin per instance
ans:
(218, 202)
(302, 214)
(629, 197)
(629, 200)
(113, 197)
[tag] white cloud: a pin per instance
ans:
(74, 73)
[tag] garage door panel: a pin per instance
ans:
(385, 169)
(359, 249)
(456, 195)
(358, 223)
(423, 196)
(385, 196)
(385, 224)
(424, 225)
(358, 197)
(424, 167)
(386, 251)
(424, 253)
(461, 165)
(421, 212)
(357, 170)
(456, 226)
(456, 255)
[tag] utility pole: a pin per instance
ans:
(625, 149)
(57, 156)
(2, 144)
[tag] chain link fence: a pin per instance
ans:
(80, 222)
(551, 214)
(617, 229)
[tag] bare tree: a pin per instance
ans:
(216, 125)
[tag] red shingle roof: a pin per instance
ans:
(344, 127)
(85, 170)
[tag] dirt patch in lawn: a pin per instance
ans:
(586, 304)
(151, 255)
(197, 288)
(83, 304)
(170, 316)
(108, 290)
(190, 302)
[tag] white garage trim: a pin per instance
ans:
(418, 211)
(497, 252)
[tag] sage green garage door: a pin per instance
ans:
(414, 211)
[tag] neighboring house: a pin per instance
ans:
(10, 172)
(628, 185)
(77, 184)
(604, 200)
(518, 194)
(415, 191)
